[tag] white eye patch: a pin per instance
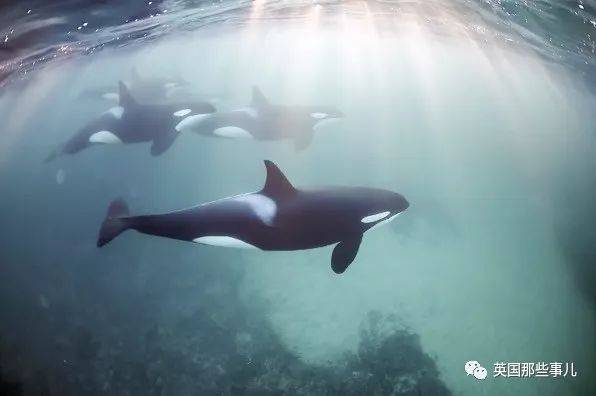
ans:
(318, 116)
(182, 113)
(375, 217)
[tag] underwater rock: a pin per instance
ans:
(9, 388)
(390, 361)
(212, 343)
(86, 346)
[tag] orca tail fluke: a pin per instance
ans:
(115, 222)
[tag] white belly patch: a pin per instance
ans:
(104, 137)
(224, 241)
(191, 122)
(232, 132)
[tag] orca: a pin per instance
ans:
(278, 217)
(156, 90)
(262, 120)
(132, 122)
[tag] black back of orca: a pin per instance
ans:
(278, 217)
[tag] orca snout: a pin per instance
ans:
(401, 203)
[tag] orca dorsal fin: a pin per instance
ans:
(258, 99)
(126, 99)
(276, 184)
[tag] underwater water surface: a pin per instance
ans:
(480, 113)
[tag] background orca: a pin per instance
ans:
(279, 217)
(132, 122)
(144, 89)
(265, 121)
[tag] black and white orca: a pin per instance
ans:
(278, 217)
(132, 122)
(145, 89)
(265, 121)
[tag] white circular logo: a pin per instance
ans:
(474, 368)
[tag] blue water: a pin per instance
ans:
(480, 112)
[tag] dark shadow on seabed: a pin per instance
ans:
(8, 387)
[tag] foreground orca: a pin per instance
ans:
(279, 217)
(265, 121)
(131, 122)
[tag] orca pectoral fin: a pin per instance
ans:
(344, 253)
(162, 143)
(303, 141)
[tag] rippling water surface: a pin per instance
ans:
(39, 31)
(481, 113)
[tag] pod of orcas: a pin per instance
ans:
(134, 122)
(279, 217)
